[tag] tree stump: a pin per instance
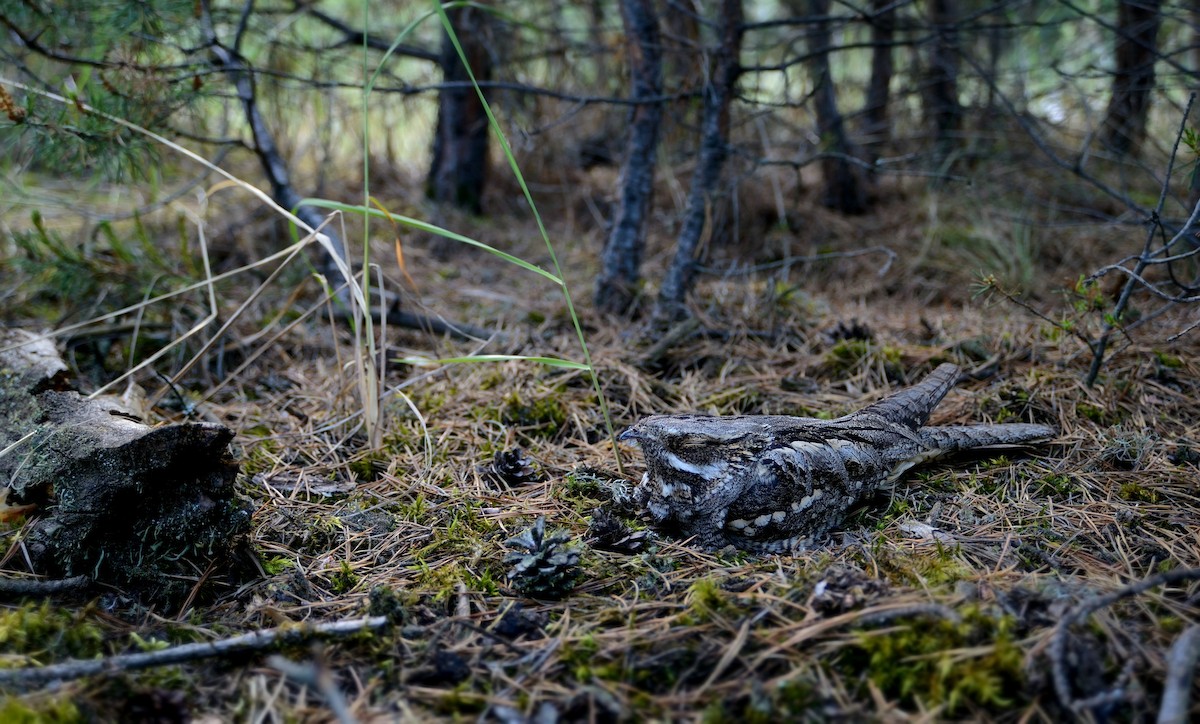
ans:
(149, 510)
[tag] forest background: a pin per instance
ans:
(578, 214)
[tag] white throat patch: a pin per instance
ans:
(708, 472)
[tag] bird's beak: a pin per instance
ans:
(631, 436)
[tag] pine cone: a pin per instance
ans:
(607, 532)
(546, 566)
(512, 467)
(854, 330)
(844, 588)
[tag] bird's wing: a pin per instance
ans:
(912, 407)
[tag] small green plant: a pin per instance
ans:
(277, 564)
(543, 416)
(46, 631)
(40, 710)
(1095, 413)
(972, 661)
(345, 579)
(848, 354)
(1136, 493)
(1168, 361)
(707, 599)
(1059, 484)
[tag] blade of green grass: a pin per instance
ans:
(548, 361)
(432, 229)
(516, 170)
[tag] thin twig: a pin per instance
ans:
(788, 261)
(1058, 642)
(933, 610)
(40, 587)
(317, 675)
(1181, 672)
(253, 641)
(1114, 318)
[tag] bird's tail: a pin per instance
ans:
(947, 439)
(911, 407)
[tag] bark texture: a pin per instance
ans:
(942, 108)
(616, 287)
(876, 121)
(843, 183)
(1138, 22)
(460, 144)
(714, 142)
(144, 509)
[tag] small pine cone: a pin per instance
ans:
(844, 588)
(854, 330)
(608, 533)
(544, 566)
(512, 467)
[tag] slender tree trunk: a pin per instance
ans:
(843, 185)
(683, 44)
(616, 287)
(1133, 80)
(460, 144)
(941, 92)
(1194, 187)
(273, 164)
(996, 44)
(714, 141)
(878, 126)
(1195, 41)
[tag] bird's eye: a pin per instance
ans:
(680, 443)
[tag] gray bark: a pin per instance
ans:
(616, 287)
(460, 145)
(843, 184)
(877, 126)
(1138, 22)
(108, 496)
(714, 141)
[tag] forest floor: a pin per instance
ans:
(939, 600)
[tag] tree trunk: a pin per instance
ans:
(877, 126)
(1133, 79)
(714, 140)
(683, 47)
(622, 259)
(843, 186)
(460, 144)
(942, 109)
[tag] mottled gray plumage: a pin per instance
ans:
(773, 482)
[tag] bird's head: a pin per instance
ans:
(694, 463)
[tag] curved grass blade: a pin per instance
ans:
(548, 361)
(431, 229)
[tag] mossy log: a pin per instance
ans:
(149, 510)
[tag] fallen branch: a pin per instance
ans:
(317, 675)
(1181, 672)
(668, 341)
(253, 641)
(41, 587)
(1058, 642)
